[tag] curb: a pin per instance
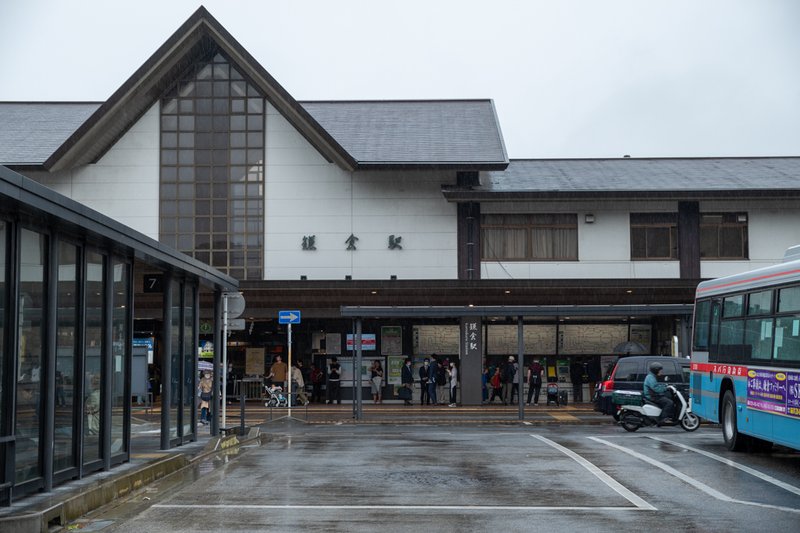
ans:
(75, 506)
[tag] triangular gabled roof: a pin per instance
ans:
(191, 41)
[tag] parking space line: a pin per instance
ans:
(699, 485)
(760, 475)
(413, 507)
(602, 476)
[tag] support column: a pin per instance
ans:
(521, 370)
(358, 389)
(107, 365)
(471, 361)
(166, 362)
(49, 364)
(469, 241)
(216, 373)
(689, 239)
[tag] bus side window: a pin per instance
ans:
(787, 339)
(701, 325)
(713, 343)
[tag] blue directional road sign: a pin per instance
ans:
(288, 317)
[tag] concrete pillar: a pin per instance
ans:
(471, 360)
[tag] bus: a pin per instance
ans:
(745, 367)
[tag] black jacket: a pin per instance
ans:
(424, 373)
(407, 376)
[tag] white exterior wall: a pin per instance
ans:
(123, 184)
(604, 245)
(306, 195)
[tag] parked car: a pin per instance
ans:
(629, 373)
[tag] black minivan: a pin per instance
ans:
(629, 373)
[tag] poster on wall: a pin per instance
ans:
(254, 364)
(367, 342)
(346, 364)
(537, 339)
(394, 369)
(590, 338)
(641, 333)
(436, 339)
(391, 340)
(333, 343)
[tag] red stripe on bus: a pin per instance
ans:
(717, 368)
(757, 278)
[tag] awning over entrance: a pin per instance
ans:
(517, 311)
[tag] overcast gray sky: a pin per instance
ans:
(569, 78)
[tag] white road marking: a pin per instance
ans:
(413, 507)
(734, 464)
(602, 476)
(699, 485)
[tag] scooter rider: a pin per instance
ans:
(656, 393)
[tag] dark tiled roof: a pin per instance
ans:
(647, 175)
(414, 132)
(372, 132)
(31, 131)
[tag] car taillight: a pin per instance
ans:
(608, 385)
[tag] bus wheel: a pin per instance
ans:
(734, 441)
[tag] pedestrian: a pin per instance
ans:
(278, 372)
(304, 370)
(299, 384)
(406, 382)
(453, 375)
(206, 387)
(334, 377)
(535, 378)
(576, 371)
(485, 384)
(516, 380)
(424, 373)
(497, 384)
(317, 378)
(507, 377)
(441, 380)
(376, 380)
(433, 373)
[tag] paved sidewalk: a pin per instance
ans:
(148, 462)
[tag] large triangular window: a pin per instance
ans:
(212, 168)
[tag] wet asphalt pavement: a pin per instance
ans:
(471, 478)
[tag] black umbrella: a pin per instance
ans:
(630, 347)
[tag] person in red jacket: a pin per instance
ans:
(497, 386)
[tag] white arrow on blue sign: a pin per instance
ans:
(288, 317)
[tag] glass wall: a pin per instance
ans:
(95, 290)
(66, 356)
(175, 359)
(32, 297)
(4, 429)
(189, 356)
(212, 168)
(119, 348)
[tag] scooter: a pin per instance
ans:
(632, 417)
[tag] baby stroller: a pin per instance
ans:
(552, 393)
(276, 397)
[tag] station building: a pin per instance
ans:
(401, 215)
